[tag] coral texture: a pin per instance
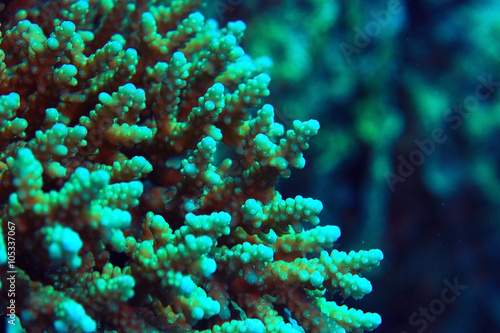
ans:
(138, 171)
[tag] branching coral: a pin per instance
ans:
(138, 172)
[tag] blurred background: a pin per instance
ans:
(407, 94)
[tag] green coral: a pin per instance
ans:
(135, 129)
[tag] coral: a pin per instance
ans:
(138, 171)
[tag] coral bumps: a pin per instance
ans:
(138, 171)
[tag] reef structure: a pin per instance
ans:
(137, 180)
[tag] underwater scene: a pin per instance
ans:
(249, 166)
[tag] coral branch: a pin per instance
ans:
(138, 171)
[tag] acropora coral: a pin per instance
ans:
(138, 169)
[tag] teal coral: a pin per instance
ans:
(115, 116)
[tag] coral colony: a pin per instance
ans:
(137, 180)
